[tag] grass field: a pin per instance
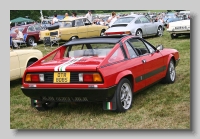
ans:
(162, 106)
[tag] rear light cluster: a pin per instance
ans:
(34, 78)
(82, 78)
(89, 77)
(118, 33)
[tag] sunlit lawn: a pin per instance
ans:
(162, 106)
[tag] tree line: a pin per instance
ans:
(35, 14)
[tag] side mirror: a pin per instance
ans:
(159, 47)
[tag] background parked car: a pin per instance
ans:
(74, 28)
(179, 28)
(32, 31)
(138, 25)
(20, 60)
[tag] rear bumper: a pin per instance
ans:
(70, 94)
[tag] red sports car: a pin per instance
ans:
(107, 69)
(32, 31)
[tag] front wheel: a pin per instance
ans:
(171, 73)
(124, 95)
(102, 32)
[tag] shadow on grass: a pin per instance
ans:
(96, 108)
(15, 83)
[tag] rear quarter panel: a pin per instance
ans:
(67, 33)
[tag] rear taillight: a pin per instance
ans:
(167, 25)
(118, 33)
(90, 77)
(32, 78)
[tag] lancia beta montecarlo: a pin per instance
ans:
(107, 69)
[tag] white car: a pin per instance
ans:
(179, 28)
(20, 60)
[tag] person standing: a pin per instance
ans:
(112, 19)
(55, 19)
(89, 16)
(74, 15)
(66, 16)
(18, 38)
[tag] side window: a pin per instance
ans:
(130, 50)
(38, 28)
(144, 20)
(31, 29)
(138, 21)
(152, 50)
(117, 56)
(79, 22)
(86, 21)
(139, 46)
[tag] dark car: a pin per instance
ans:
(32, 31)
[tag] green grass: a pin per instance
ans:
(162, 106)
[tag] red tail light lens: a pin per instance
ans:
(87, 78)
(34, 78)
(90, 77)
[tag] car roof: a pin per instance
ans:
(133, 15)
(27, 25)
(72, 19)
(101, 39)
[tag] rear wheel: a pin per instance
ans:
(160, 31)
(173, 36)
(30, 41)
(124, 95)
(139, 33)
(30, 63)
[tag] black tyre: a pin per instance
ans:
(171, 73)
(160, 31)
(30, 63)
(124, 95)
(139, 33)
(30, 41)
(102, 32)
(73, 38)
(173, 36)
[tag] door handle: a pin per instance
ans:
(143, 61)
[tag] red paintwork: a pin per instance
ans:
(34, 34)
(112, 73)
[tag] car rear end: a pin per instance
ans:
(75, 78)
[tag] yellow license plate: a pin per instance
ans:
(47, 34)
(61, 77)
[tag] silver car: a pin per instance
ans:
(138, 25)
